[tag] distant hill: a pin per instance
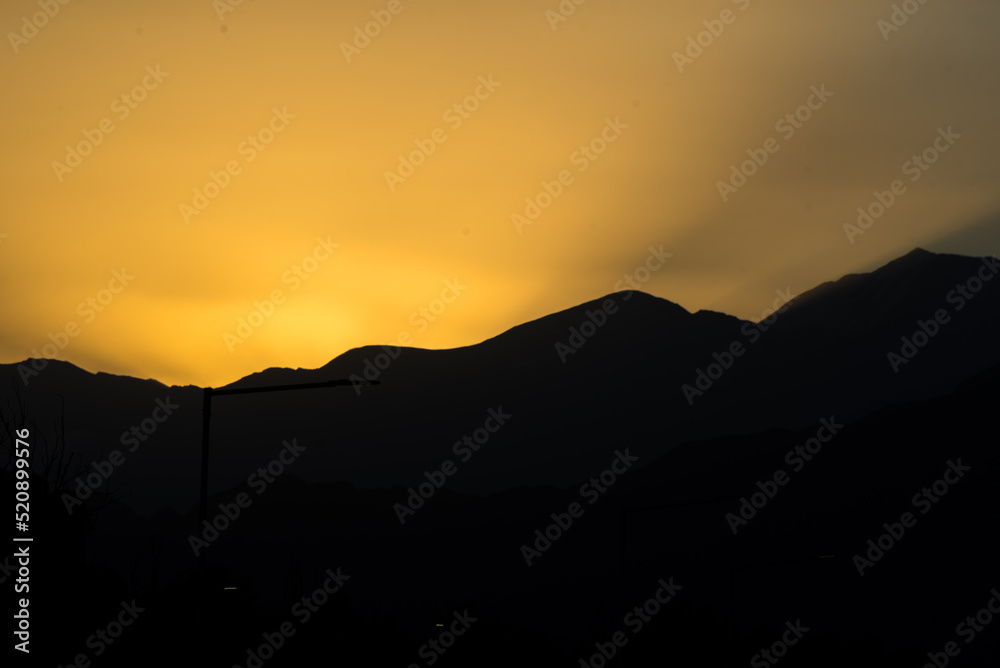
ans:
(899, 365)
(575, 382)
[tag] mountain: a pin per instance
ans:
(429, 487)
(613, 369)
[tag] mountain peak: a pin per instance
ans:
(915, 258)
(917, 254)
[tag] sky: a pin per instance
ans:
(333, 175)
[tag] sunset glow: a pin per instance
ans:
(202, 190)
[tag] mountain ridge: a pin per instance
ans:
(656, 309)
(650, 371)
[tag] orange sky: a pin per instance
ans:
(508, 97)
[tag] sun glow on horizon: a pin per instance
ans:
(257, 177)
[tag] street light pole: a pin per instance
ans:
(206, 418)
(206, 409)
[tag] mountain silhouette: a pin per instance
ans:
(827, 353)
(700, 405)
